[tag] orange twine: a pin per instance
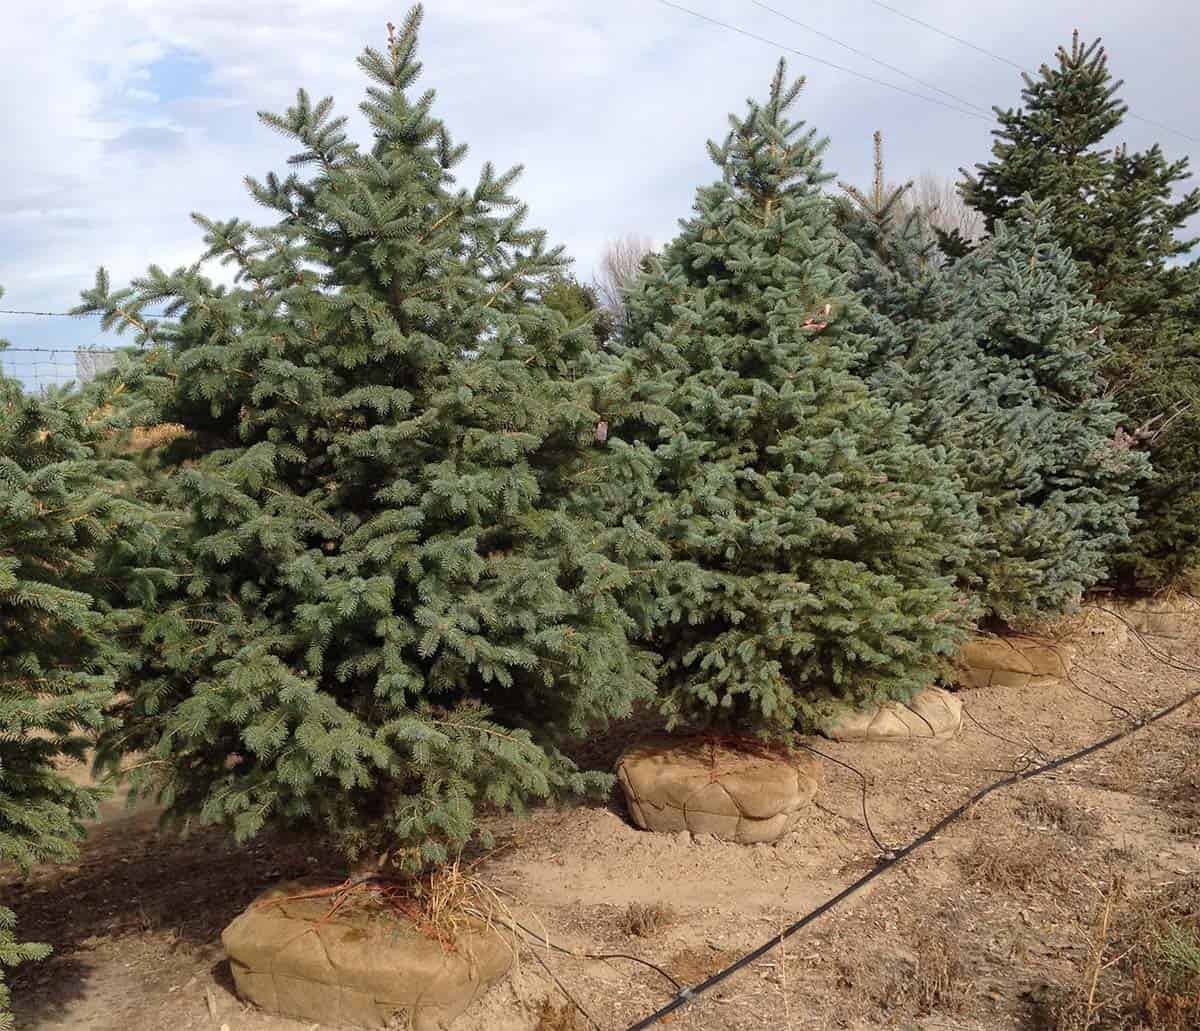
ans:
(390, 896)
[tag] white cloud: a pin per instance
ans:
(606, 102)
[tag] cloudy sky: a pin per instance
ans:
(120, 118)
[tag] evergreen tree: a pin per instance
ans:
(578, 303)
(998, 357)
(390, 616)
(812, 543)
(1121, 217)
(61, 644)
(898, 271)
(1055, 477)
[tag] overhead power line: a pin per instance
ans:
(65, 349)
(1164, 127)
(862, 53)
(820, 60)
(948, 35)
(1013, 64)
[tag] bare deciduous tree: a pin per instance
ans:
(937, 200)
(619, 266)
(931, 204)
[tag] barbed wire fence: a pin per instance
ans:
(39, 368)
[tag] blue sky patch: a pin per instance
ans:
(178, 75)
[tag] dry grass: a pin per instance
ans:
(555, 1016)
(453, 896)
(441, 905)
(933, 980)
(1018, 859)
(644, 920)
(1181, 796)
(1142, 972)
(1168, 777)
(694, 965)
(1046, 810)
(939, 982)
(1127, 768)
(142, 438)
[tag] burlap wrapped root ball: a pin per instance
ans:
(1015, 662)
(1168, 615)
(358, 966)
(695, 785)
(1094, 630)
(932, 714)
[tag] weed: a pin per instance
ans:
(1171, 781)
(644, 920)
(440, 905)
(934, 980)
(1126, 856)
(1042, 809)
(1179, 955)
(453, 897)
(691, 966)
(939, 981)
(1183, 799)
(553, 1016)
(1143, 970)
(1022, 861)
(1127, 768)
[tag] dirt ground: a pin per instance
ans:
(969, 934)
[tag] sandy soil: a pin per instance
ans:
(965, 935)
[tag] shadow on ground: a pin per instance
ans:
(186, 887)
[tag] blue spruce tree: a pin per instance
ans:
(1123, 216)
(389, 617)
(998, 357)
(63, 646)
(812, 545)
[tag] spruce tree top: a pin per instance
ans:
(810, 538)
(391, 617)
(898, 273)
(1048, 147)
(1116, 211)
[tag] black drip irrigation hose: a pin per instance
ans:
(893, 858)
(883, 849)
(566, 992)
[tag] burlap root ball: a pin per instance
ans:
(1015, 662)
(1096, 630)
(932, 714)
(356, 967)
(1162, 616)
(674, 784)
